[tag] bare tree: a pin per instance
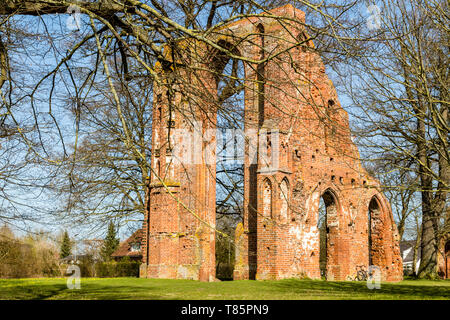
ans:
(100, 64)
(401, 90)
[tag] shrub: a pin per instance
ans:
(101, 269)
(87, 266)
(225, 271)
(123, 268)
(22, 258)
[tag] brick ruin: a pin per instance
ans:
(279, 236)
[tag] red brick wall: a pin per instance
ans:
(317, 156)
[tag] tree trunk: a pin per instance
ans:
(428, 247)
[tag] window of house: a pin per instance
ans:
(135, 246)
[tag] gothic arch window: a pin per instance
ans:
(267, 198)
(326, 224)
(169, 166)
(260, 72)
(160, 114)
(284, 200)
(322, 227)
(222, 150)
(375, 226)
(158, 168)
(302, 41)
(369, 232)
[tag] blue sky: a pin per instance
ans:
(40, 56)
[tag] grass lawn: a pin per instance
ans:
(135, 288)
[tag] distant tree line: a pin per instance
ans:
(38, 255)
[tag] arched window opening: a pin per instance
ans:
(160, 114)
(261, 73)
(229, 79)
(284, 199)
(267, 199)
(327, 216)
(322, 226)
(303, 44)
(170, 172)
(369, 233)
(158, 168)
(374, 234)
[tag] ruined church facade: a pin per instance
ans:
(279, 237)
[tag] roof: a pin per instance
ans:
(407, 250)
(124, 249)
(74, 257)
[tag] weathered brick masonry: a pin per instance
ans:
(279, 238)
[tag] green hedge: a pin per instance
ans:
(124, 268)
(224, 271)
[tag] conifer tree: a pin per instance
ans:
(66, 246)
(111, 243)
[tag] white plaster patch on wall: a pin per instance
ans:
(187, 273)
(310, 239)
(312, 203)
(295, 240)
(295, 232)
(353, 213)
(182, 272)
(237, 26)
(346, 213)
(305, 238)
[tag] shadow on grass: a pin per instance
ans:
(117, 292)
(58, 290)
(32, 292)
(359, 290)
